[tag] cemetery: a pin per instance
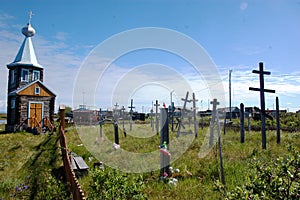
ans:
(217, 174)
(174, 152)
(168, 152)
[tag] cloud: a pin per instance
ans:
(61, 36)
(243, 5)
(3, 18)
(59, 60)
(285, 85)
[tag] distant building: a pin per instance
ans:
(83, 116)
(30, 103)
(235, 112)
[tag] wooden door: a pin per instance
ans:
(35, 114)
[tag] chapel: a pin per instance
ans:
(30, 103)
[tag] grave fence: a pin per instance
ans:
(74, 186)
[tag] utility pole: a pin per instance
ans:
(230, 113)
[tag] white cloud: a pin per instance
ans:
(58, 59)
(243, 5)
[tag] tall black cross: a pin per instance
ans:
(156, 116)
(262, 91)
(131, 111)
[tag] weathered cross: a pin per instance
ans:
(123, 116)
(116, 114)
(180, 123)
(131, 112)
(262, 91)
(195, 115)
(215, 118)
(156, 116)
(151, 118)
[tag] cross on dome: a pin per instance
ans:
(28, 30)
(30, 13)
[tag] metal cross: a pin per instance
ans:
(156, 116)
(30, 13)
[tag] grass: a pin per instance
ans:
(35, 161)
(197, 174)
(3, 116)
(29, 166)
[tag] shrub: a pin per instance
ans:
(279, 179)
(112, 184)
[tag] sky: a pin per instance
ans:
(76, 42)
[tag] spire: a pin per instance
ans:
(26, 55)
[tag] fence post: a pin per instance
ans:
(62, 109)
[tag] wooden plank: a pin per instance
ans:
(30, 91)
(80, 163)
(73, 165)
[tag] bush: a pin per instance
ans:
(279, 179)
(112, 184)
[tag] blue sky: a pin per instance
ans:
(236, 34)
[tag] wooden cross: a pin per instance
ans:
(195, 115)
(131, 111)
(262, 91)
(182, 113)
(151, 119)
(116, 105)
(156, 116)
(215, 119)
(123, 116)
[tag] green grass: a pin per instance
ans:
(3, 116)
(237, 159)
(35, 160)
(28, 166)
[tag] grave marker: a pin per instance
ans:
(277, 122)
(151, 119)
(131, 112)
(100, 122)
(180, 121)
(215, 119)
(242, 123)
(123, 121)
(164, 143)
(212, 123)
(156, 116)
(116, 132)
(195, 115)
(172, 115)
(262, 91)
